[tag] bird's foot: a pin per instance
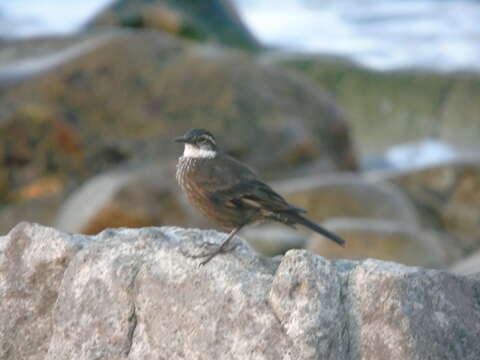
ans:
(209, 251)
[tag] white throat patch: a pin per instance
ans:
(195, 152)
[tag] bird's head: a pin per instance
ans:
(199, 143)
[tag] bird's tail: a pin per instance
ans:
(299, 219)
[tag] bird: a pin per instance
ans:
(230, 193)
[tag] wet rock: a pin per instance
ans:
(387, 240)
(216, 20)
(447, 196)
(348, 195)
(137, 294)
(127, 97)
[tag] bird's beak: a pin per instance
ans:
(181, 139)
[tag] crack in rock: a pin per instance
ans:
(346, 305)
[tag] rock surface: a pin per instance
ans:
(387, 240)
(33, 260)
(136, 294)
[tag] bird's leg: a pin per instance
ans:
(222, 246)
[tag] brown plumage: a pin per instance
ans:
(229, 193)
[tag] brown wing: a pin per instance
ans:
(253, 194)
(235, 185)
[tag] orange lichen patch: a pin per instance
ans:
(45, 186)
(67, 138)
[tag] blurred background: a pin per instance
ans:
(365, 113)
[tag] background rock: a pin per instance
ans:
(347, 195)
(273, 239)
(42, 210)
(216, 20)
(386, 240)
(137, 294)
(22, 59)
(447, 196)
(21, 49)
(467, 266)
(127, 98)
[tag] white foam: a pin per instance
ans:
(421, 153)
(380, 34)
